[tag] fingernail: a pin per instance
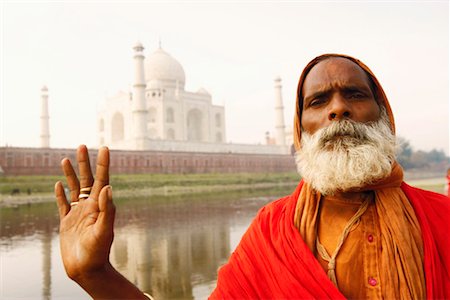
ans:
(109, 191)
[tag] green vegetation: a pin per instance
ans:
(44, 184)
(411, 159)
(155, 185)
(161, 180)
(36, 184)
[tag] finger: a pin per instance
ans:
(84, 166)
(107, 210)
(72, 179)
(101, 172)
(63, 205)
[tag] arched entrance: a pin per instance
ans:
(117, 128)
(194, 125)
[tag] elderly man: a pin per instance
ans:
(351, 229)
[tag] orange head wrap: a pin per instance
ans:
(377, 90)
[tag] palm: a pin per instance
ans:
(86, 230)
(83, 246)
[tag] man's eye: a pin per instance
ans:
(316, 102)
(356, 95)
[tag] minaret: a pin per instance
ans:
(139, 107)
(280, 135)
(45, 131)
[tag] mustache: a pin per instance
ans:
(347, 154)
(345, 129)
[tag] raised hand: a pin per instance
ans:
(86, 229)
(86, 225)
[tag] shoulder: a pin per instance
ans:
(280, 206)
(274, 207)
(433, 212)
(270, 220)
(432, 209)
(267, 218)
(425, 198)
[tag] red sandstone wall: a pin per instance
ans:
(38, 161)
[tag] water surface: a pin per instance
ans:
(169, 247)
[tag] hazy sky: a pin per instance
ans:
(83, 53)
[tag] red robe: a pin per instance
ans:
(273, 262)
(448, 186)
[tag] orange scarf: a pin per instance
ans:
(402, 255)
(272, 260)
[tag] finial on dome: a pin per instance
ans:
(159, 43)
(138, 47)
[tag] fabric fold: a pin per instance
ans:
(272, 261)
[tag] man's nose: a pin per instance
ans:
(339, 108)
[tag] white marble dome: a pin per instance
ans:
(161, 66)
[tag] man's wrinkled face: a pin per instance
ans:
(336, 89)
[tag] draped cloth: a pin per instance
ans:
(401, 267)
(274, 258)
(273, 261)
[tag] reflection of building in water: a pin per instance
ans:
(130, 253)
(46, 264)
(36, 222)
(175, 259)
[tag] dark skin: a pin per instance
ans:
(336, 89)
(86, 230)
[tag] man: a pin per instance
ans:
(351, 229)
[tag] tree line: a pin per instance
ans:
(411, 159)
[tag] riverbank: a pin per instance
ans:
(38, 189)
(20, 190)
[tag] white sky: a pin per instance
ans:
(82, 52)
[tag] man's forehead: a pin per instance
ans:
(335, 69)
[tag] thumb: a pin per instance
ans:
(107, 209)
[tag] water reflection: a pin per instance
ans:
(170, 248)
(46, 264)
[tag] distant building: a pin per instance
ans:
(45, 127)
(38, 161)
(160, 127)
(159, 108)
(160, 115)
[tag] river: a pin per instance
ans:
(169, 247)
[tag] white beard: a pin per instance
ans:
(347, 155)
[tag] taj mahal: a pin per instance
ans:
(159, 108)
(159, 114)
(160, 127)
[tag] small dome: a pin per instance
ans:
(44, 88)
(161, 66)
